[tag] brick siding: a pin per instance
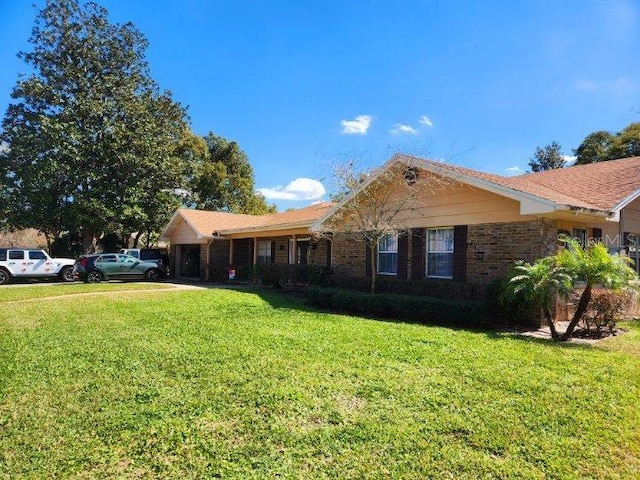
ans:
(493, 247)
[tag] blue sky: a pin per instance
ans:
(302, 85)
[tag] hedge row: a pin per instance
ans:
(402, 307)
(429, 287)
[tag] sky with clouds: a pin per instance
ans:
(301, 85)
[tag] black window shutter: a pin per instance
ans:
(329, 244)
(597, 234)
(273, 251)
(460, 253)
(367, 261)
(403, 255)
(418, 247)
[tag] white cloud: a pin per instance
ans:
(570, 159)
(424, 120)
(298, 189)
(400, 128)
(515, 170)
(586, 86)
(358, 126)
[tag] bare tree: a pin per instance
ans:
(378, 202)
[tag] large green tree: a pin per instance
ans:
(601, 146)
(547, 158)
(92, 144)
(224, 181)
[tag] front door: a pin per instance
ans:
(189, 261)
(300, 255)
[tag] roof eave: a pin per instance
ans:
(626, 201)
(265, 228)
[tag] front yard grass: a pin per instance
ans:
(219, 383)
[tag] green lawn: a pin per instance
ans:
(219, 383)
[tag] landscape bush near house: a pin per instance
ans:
(429, 310)
(507, 307)
(606, 308)
(548, 278)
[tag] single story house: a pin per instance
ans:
(450, 223)
(203, 242)
(458, 224)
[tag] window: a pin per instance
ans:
(107, 259)
(264, 253)
(440, 252)
(36, 255)
(388, 255)
(580, 234)
(16, 255)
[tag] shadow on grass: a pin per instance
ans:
(282, 300)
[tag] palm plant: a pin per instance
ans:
(594, 266)
(541, 283)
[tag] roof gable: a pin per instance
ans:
(601, 189)
(208, 224)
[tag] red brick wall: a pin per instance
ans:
(348, 255)
(492, 247)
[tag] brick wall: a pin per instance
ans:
(348, 255)
(242, 252)
(219, 254)
(282, 250)
(203, 262)
(319, 251)
(492, 247)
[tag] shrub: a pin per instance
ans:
(605, 308)
(293, 276)
(392, 285)
(402, 307)
(509, 307)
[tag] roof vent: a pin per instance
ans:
(411, 175)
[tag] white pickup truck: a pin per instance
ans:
(33, 263)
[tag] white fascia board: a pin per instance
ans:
(626, 201)
(170, 224)
(317, 225)
(265, 228)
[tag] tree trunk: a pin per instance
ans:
(88, 241)
(552, 326)
(136, 239)
(374, 270)
(585, 298)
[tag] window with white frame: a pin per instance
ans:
(264, 253)
(388, 255)
(440, 252)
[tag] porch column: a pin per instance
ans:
(255, 250)
(295, 250)
(208, 259)
(231, 251)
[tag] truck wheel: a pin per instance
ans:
(5, 277)
(153, 275)
(94, 276)
(66, 274)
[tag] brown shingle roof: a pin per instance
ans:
(207, 222)
(305, 216)
(597, 186)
